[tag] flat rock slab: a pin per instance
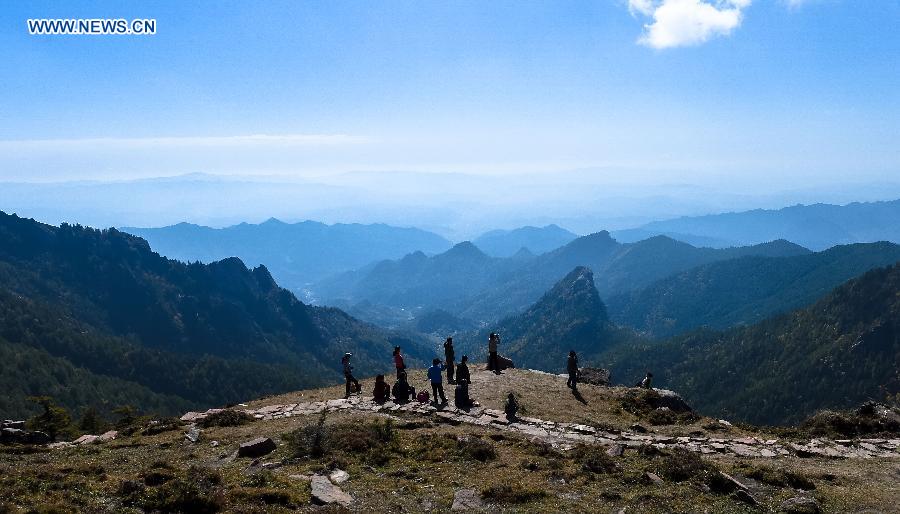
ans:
(257, 447)
(326, 493)
(467, 499)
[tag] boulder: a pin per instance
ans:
(594, 376)
(672, 401)
(467, 499)
(326, 493)
(800, 505)
(257, 447)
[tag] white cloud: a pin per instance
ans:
(687, 22)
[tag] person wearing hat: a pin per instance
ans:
(348, 375)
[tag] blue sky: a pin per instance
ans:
(717, 91)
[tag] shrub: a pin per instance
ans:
(90, 422)
(54, 420)
(200, 492)
(640, 401)
(309, 441)
(662, 416)
(595, 460)
(514, 493)
(781, 478)
(265, 495)
(320, 439)
(226, 418)
(476, 449)
(682, 465)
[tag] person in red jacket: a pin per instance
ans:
(398, 362)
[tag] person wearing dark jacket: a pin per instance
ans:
(449, 359)
(348, 375)
(382, 391)
(572, 368)
(511, 407)
(493, 361)
(462, 370)
(403, 392)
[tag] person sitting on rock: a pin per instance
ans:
(398, 362)
(450, 358)
(435, 374)
(403, 392)
(572, 368)
(348, 375)
(647, 381)
(462, 370)
(382, 391)
(511, 407)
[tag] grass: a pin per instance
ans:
(410, 464)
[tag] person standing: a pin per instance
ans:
(647, 382)
(348, 375)
(493, 362)
(572, 368)
(449, 359)
(435, 374)
(462, 371)
(398, 362)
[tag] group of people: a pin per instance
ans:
(402, 392)
(457, 374)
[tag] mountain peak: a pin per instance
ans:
(465, 249)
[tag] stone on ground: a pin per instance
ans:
(326, 493)
(339, 476)
(800, 505)
(467, 499)
(257, 447)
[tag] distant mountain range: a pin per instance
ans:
(472, 285)
(745, 290)
(817, 226)
(836, 353)
(295, 253)
(536, 240)
(96, 318)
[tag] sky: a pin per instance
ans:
(735, 93)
